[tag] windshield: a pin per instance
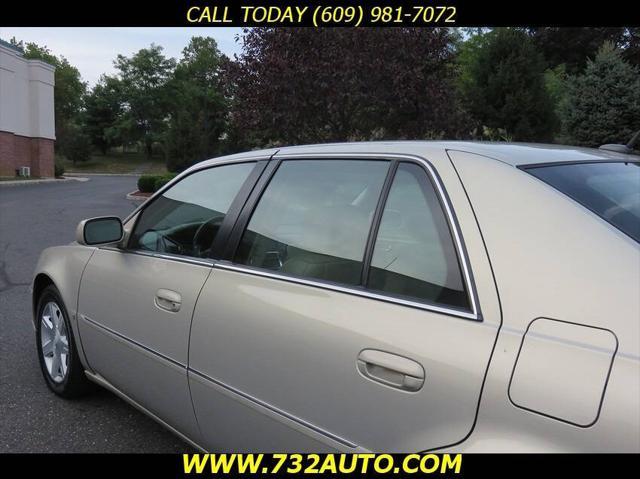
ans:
(609, 189)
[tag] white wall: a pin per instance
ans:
(26, 95)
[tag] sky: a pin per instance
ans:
(92, 50)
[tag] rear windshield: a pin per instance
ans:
(610, 190)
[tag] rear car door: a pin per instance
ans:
(136, 304)
(345, 315)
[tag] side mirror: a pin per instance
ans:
(101, 230)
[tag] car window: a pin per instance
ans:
(313, 219)
(186, 218)
(610, 190)
(414, 255)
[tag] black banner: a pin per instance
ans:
(471, 465)
(394, 13)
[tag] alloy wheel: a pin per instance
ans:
(54, 341)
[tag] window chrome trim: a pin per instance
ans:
(151, 254)
(474, 314)
(303, 281)
(273, 409)
(365, 293)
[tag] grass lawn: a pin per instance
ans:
(18, 178)
(116, 163)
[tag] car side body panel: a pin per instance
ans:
(293, 348)
(131, 342)
(565, 264)
(64, 266)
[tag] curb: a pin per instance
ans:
(134, 197)
(42, 181)
(73, 174)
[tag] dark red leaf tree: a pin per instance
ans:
(302, 85)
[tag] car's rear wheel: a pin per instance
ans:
(57, 351)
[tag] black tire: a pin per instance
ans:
(74, 383)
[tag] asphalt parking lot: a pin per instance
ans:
(33, 217)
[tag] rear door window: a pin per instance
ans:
(313, 219)
(316, 218)
(414, 254)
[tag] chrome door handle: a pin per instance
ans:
(168, 300)
(391, 369)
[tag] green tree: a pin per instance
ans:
(68, 91)
(103, 110)
(556, 80)
(573, 46)
(603, 103)
(143, 79)
(198, 111)
(78, 145)
(503, 86)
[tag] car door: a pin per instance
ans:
(136, 304)
(346, 315)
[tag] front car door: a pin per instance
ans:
(136, 304)
(346, 315)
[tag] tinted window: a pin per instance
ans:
(185, 219)
(414, 255)
(611, 190)
(314, 218)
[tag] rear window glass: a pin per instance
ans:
(610, 190)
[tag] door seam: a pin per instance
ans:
(495, 341)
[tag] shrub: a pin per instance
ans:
(152, 183)
(161, 181)
(58, 170)
(146, 183)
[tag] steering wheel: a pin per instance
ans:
(204, 236)
(153, 240)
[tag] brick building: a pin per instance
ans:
(27, 127)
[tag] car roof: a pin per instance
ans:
(518, 154)
(514, 154)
